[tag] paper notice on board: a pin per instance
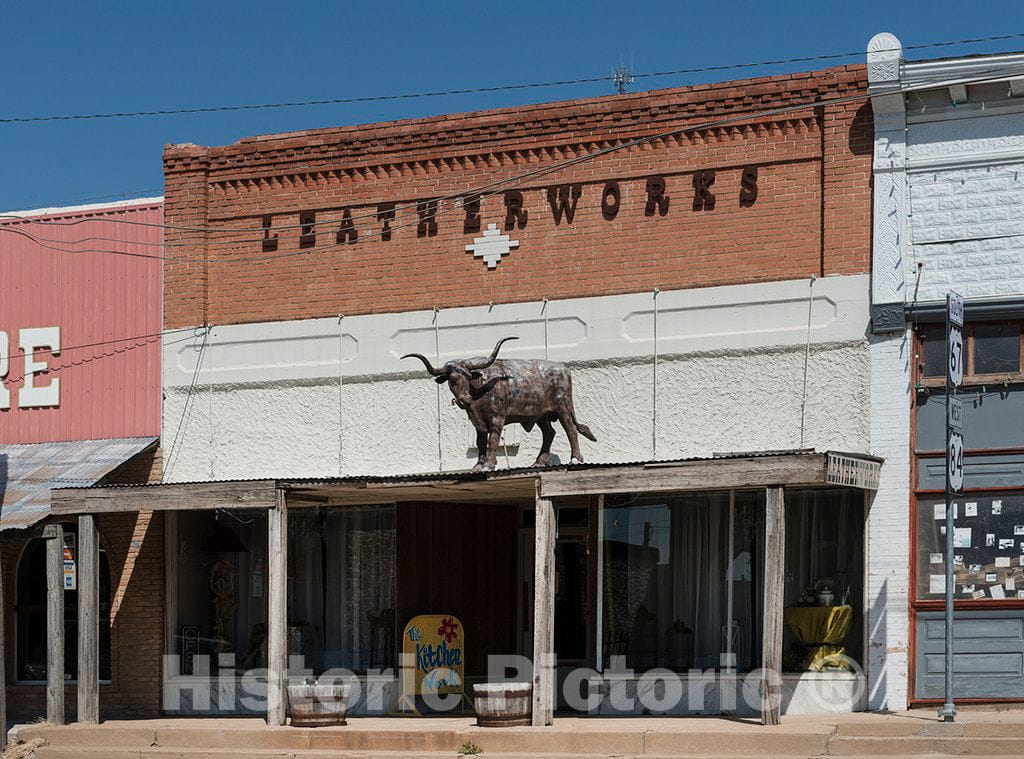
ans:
(961, 537)
(971, 509)
(979, 594)
(940, 511)
(1002, 561)
(997, 591)
(1010, 584)
(937, 583)
(935, 558)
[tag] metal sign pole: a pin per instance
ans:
(954, 471)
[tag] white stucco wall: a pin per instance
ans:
(729, 378)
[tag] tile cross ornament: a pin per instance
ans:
(492, 245)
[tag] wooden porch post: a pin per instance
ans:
(544, 614)
(54, 536)
(277, 611)
(88, 621)
(3, 658)
(774, 589)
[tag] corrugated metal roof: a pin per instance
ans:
(476, 474)
(28, 472)
(471, 475)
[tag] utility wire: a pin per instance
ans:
(13, 378)
(65, 348)
(487, 189)
(537, 172)
(474, 90)
(13, 217)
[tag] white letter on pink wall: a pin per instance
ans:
(5, 364)
(32, 395)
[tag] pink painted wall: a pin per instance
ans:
(108, 390)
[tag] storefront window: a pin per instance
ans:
(681, 591)
(988, 553)
(341, 594)
(665, 564)
(221, 579)
(824, 578)
(997, 348)
(993, 348)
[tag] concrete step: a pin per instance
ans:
(930, 728)
(746, 741)
(927, 746)
(653, 739)
(70, 752)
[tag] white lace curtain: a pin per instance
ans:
(342, 587)
(667, 567)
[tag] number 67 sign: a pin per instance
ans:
(956, 355)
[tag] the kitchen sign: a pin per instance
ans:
(433, 656)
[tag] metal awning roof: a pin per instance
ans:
(792, 468)
(28, 472)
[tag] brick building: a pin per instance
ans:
(698, 257)
(79, 404)
(948, 162)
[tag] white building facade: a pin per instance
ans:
(948, 200)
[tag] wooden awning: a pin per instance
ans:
(800, 468)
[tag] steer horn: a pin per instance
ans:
(472, 364)
(426, 363)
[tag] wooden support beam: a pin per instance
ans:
(88, 621)
(544, 614)
(774, 590)
(257, 494)
(703, 474)
(54, 536)
(277, 611)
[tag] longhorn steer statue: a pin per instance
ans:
(494, 392)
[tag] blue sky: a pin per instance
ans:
(73, 57)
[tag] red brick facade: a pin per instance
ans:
(811, 214)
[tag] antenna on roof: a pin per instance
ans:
(622, 77)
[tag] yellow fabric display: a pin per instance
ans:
(823, 629)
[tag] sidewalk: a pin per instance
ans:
(976, 733)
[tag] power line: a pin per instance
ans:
(474, 90)
(64, 349)
(13, 378)
(112, 196)
(481, 191)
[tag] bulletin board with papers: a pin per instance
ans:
(988, 539)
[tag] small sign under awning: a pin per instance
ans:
(851, 471)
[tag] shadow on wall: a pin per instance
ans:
(878, 644)
(861, 130)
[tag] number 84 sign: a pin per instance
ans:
(955, 462)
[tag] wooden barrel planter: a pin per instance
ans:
(318, 705)
(502, 704)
